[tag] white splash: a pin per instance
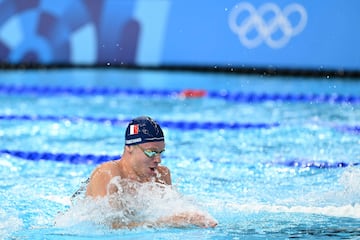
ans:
(9, 222)
(351, 211)
(66, 201)
(342, 202)
(350, 180)
(137, 204)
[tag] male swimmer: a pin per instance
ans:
(140, 164)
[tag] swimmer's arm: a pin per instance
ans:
(180, 220)
(189, 218)
(99, 181)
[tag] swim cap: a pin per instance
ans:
(143, 129)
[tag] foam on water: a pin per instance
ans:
(148, 203)
(9, 222)
(136, 204)
(349, 211)
(342, 202)
(350, 181)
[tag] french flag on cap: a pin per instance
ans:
(134, 129)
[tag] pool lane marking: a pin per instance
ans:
(348, 129)
(183, 125)
(77, 158)
(181, 94)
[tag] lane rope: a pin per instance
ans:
(183, 125)
(187, 93)
(77, 158)
(349, 129)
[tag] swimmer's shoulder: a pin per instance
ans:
(110, 167)
(100, 178)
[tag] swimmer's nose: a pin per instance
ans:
(157, 158)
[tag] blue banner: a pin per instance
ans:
(232, 33)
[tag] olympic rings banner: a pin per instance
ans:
(232, 33)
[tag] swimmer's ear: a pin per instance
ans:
(129, 148)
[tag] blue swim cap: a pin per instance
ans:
(143, 129)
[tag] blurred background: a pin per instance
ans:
(272, 37)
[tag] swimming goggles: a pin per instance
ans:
(150, 153)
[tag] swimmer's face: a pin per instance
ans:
(147, 157)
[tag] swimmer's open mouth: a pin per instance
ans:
(152, 169)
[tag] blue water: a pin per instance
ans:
(265, 167)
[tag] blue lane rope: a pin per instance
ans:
(83, 91)
(183, 125)
(288, 97)
(315, 164)
(349, 129)
(225, 95)
(61, 157)
(96, 159)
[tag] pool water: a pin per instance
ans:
(268, 157)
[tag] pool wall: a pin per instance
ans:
(206, 33)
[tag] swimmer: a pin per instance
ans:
(140, 163)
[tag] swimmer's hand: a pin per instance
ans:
(189, 218)
(184, 219)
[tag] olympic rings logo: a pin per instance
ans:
(276, 31)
